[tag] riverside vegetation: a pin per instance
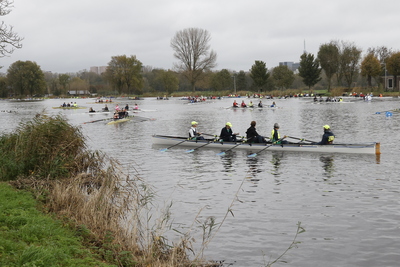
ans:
(70, 206)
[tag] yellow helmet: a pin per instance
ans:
(194, 122)
(326, 127)
(229, 124)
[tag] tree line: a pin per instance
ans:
(337, 63)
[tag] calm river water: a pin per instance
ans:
(348, 204)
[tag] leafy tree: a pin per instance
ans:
(191, 47)
(309, 70)
(241, 81)
(169, 81)
(221, 80)
(393, 67)
(26, 78)
(349, 62)
(3, 87)
(283, 77)
(328, 56)
(64, 80)
(9, 40)
(370, 67)
(259, 74)
(124, 73)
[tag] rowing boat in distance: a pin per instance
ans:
(355, 148)
(69, 107)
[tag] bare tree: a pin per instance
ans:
(191, 47)
(9, 40)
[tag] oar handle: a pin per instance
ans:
(301, 139)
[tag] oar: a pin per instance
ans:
(301, 139)
(98, 120)
(191, 150)
(165, 149)
(224, 152)
(255, 154)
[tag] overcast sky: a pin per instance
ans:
(69, 36)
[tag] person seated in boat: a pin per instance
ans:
(136, 107)
(252, 135)
(273, 105)
(64, 105)
(260, 105)
(251, 104)
(276, 137)
(327, 137)
(235, 104)
(193, 134)
(127, 107)
(116, 116)
(105, 108)
(123, 113)
(117, 108)
(227, 134)
(91, 109)
(315, 99)
(243, 105)
(75, 105)
(68, 105)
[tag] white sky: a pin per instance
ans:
(68, 36)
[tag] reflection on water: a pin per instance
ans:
(227, 161)
(327, 166)
(276, 163)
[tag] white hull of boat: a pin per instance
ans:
(364, 148)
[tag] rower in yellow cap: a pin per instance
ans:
(227, 134)
(327, 137)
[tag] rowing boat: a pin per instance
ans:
(121, 120)
(360, 148)
(69, 107)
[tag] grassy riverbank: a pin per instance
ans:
(30, 238)
(95, 212)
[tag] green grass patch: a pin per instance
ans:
(30, 238)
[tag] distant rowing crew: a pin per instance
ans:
(251, 105)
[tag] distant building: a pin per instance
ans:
(291, 65)
(78, 92)
(98, 70)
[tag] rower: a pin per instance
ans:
(327, 137)
(275, 136)
(227, 134)
(252, 135)
(193, 134)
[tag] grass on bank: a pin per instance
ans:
(30, 238)
(109, 210)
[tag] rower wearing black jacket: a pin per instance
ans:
(227, 134)
(253, 136)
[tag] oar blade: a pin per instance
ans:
(252, 155)
(221, 153)
(163, 150)
(189, 151)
